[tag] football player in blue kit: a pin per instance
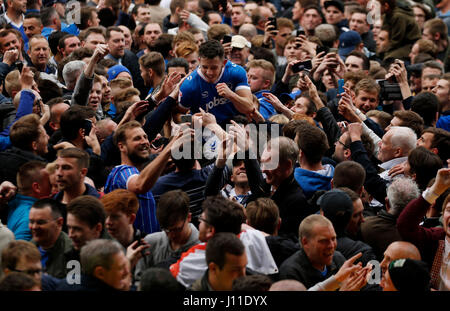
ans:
(218, 86)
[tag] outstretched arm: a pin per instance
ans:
(143, 182)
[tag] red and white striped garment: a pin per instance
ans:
(192, 264)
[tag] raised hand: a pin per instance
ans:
(92, 141)
(276, 103)
(226, 150)
(306, 45)
(398, 69)
(26, 78)
(288, 73)
(136, 251)
(355, 131)
(442, 182)
(356, 280)
(176, 90)
(169, 84)
(63, 145)
(184, 15)
(100, 52)
(270, 32)
(7, 191)
(348, 268)
(239, 135)
(10, 56)
(317, 60)
(205, 117)
(134, 111)
(46, 113)
(346, 107)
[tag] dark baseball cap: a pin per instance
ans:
(348, 41)
(336, 3)
(415, 68)
(337, 206)
(409, 275)
(47, 3)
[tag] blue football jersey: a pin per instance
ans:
(195, 92)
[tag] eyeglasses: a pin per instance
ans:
(345, 146)
(175, 230)
(29, 271)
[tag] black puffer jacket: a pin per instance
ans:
(12, 159)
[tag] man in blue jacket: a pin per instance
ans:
(261, 76)
(33, 183)
(312, 175)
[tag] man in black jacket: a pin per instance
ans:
(337, 206)
(117, 52)
(104, 267)
(76, 124)
(277, 163)
(317, 259)
(29, 141)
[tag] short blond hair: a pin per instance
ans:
(12, 82)
(258, 41)
(122, 99)
(279, 118)
(269, 69)
(121, 82)
(216, 32)
(285, 22)
(182, 37)
(306, 227)
(34, 38)
(367, 85)
(427, 46)
(50, 168)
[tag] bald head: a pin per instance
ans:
(399, 250)
(404, 250)
(287, 285)
(248, 31)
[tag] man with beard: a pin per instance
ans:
(71, 169)
(133, 173)
(152, 31)
(382, 42)
(14, 16)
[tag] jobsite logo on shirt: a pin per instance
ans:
(215, 102)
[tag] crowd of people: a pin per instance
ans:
(211, 145)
